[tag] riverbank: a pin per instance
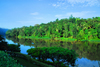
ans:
(27, 61)
(30, 62)
(60, 39)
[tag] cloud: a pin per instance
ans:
(78, 14)
(92, 3)
(75, 14)
(35, 13)
(55, 5)
(84, 3)
(58, 15)
(61, 16)
(58, 4)
(77, 1)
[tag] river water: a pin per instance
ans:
(84, 61)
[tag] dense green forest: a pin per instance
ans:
(72, 27)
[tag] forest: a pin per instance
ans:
(71, 27)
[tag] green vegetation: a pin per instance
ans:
(32, 62)
(6, 61)
(8, 47)
(72, 28)
(58, 53)
(89, 50)
(10, 50)
(13, 51)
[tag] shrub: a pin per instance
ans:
(7, 61)
(14, 48)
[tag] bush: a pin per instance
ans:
(7, 61)
(14, 48)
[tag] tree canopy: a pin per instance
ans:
(68, 28)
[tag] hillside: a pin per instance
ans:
(67, 28)
(3, 31)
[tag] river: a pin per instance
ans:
(89, 56)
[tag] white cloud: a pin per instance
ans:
(81, 14)
(86, 2)
(64, 3)
(59, 3)
(58, 15)
(35, 13)
(55, 5)
(92, 3)
(77, 1)
(78, 14)
(61, 16)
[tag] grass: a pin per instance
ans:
(94, 40)
(66, 39)
(31, 37)
(60, 39)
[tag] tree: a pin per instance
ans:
(72, 19)
(36, 25)
(57, 19)
(3, 44)
(80, 35)
(67, 28)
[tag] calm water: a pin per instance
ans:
(88, 56)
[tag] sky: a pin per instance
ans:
(19, 13)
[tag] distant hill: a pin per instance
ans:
(3, 31)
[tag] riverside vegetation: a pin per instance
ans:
(73, 29)
(11, 50)
(87, 51)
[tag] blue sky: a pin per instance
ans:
(19, 13)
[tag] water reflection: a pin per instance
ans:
(89, 53)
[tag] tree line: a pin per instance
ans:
(67, 28)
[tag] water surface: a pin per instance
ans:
(89, 53)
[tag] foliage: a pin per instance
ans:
(14, 48)
(6, 61)
(13, 51)
(3, 44)
(54, 52)
(8, 47)
(67, 28)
